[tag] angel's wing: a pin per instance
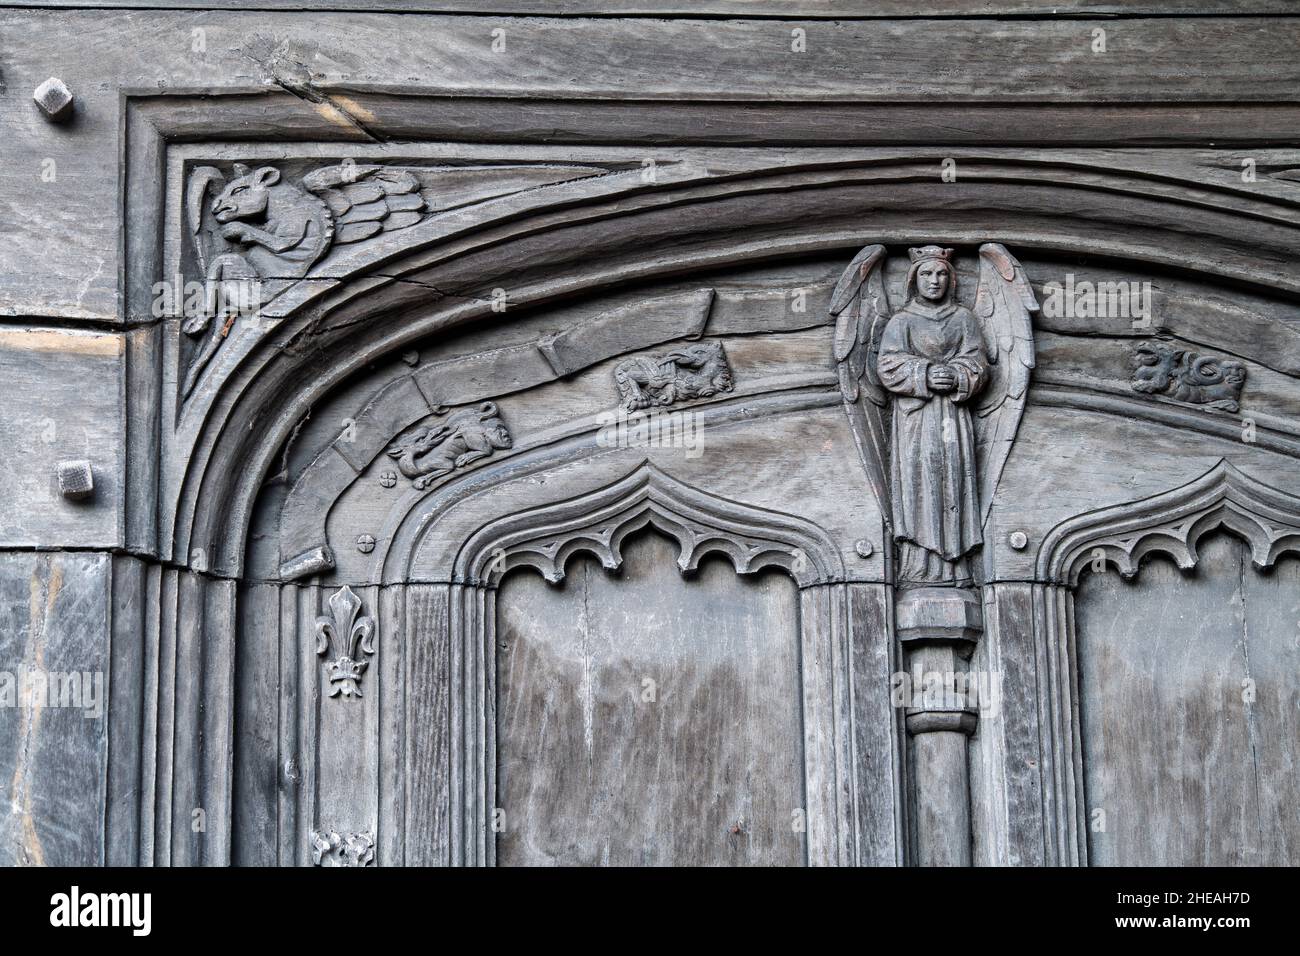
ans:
(860, 306)
(1003, 306)
(366, 200)
(196, 192)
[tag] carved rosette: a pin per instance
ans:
(350, 637)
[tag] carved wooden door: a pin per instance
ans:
(781, 561)
(737, 433)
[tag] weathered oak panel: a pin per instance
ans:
(708, 772)
(1189, 694)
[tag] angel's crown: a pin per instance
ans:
(930, 252)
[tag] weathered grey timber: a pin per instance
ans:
(723, 433)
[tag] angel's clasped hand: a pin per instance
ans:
(941, 378)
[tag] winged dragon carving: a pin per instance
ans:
(262, 232)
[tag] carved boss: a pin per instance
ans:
(935, 392)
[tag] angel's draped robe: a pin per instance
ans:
(933, 485)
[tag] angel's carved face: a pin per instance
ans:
(932, 280)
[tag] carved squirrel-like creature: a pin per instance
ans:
(260, 233)
(1162, 369)
(464, 437)
(693, 371)
(284, 228)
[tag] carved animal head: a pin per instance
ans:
(1234, 373)
(1153, 365)
(247, 195)
(708, 362)
(494, 429)
(695, 355)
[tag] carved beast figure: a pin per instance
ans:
(280, 230)
(466, 436)
(694, 371)
(1162, 369)
(286, 227)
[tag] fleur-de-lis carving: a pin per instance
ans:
(330, 848)
(352, 640)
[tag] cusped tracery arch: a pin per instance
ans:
(598, 523)
(1173, 523)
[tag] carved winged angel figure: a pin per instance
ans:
(263, 231)
(935, 392)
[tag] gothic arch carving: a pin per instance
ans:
(197, 491)
(1173, 523)
(751, 538)
(348, 320)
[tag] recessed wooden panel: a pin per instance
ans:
(644, 719)
(1190, 763)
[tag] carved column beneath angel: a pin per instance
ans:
(935, 391)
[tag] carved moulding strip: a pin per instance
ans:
(1065, 821)
(1272, 433)
(701, 523)
(1173, 523)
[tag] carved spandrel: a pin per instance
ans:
(255, 231)
(1187, 377)
(260, 230)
